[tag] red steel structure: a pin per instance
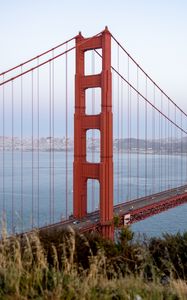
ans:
(139, 120)
(83, 170)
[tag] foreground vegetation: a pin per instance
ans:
(66, 265)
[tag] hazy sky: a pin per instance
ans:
(154, 32)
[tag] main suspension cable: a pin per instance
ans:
(156, 85)
(36, 57)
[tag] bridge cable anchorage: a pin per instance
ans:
(156, 85)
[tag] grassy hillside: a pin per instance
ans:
(66, 265)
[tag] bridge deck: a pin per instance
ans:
(138, 209)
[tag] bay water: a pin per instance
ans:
(34, 189)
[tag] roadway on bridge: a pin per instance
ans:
(92, 219)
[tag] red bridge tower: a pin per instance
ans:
(83, 170)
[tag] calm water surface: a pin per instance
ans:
(34, 193)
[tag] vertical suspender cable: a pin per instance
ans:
(12, 96)
(118, 120)
(166, 150)
(38, 144)
(161, 146)
(138, 134)
(181, 152)
(153, 143)
(159, 151)
(130, 161)
(22, 220)
(185, 170)
(53, 143)
(50, 202)
(32, 128)
(171, 154)
(3, 152)
(168, 146)
(115, 122)
(174, 168)
(122, 145)
(129, 143)
(66, 131)
(175, 165)
(146, 137)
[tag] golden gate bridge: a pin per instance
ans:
(86, 133)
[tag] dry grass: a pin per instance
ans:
(26, 272)
(180, 287)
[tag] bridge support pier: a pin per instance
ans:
(83, 170)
